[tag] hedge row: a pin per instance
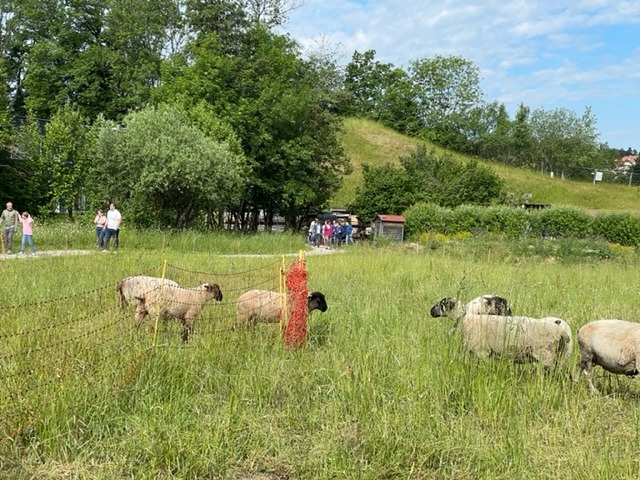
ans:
(554, 222)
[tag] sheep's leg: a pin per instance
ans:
(141, 313)
(586, 367)
(187, 326)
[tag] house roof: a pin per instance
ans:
(391, 218)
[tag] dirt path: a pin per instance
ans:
(59, 253)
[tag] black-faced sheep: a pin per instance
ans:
(131, 287)
(184, 304)
(488, 329)
(482, 305)
(612, 344)
(266, 306)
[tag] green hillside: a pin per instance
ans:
(368, 142)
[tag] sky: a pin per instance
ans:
(544, 54)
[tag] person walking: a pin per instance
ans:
(27, 232)
(9, 220)
(113, 228)
(101, 224)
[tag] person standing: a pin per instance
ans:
(317, 234)
(312, 232)
(113, 226)
(9, 220)
(349, 234)
(27, 232)
(101, 224)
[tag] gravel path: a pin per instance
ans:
(59, 253)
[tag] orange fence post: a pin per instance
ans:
(297, 292)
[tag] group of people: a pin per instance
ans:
(330, 233)
(9, 220)
(108, 227)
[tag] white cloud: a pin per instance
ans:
(547, 53)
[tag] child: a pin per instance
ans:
(27, 232)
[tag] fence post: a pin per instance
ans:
(155, 328)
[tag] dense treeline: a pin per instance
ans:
(199, 112)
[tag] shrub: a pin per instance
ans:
(425, 217)
(563, 222)
(621, 228)
(510, 221)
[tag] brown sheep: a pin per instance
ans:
(175, 302)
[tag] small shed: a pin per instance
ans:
(390, 227)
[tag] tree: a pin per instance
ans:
(425, 177)
(269, 96)
(65, 157)
(385, 190)
(162, 169)
(446, 89)
(270, 13)
(564, 140)
(496, 140)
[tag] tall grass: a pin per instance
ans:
(381, 390)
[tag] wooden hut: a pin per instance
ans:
(390, 227)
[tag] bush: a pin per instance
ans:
(425, 217)
(620, 228)
(563, 222)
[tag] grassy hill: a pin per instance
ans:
(368, 142)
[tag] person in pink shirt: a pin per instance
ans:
(27, 232)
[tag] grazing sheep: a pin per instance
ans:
(482, 305)
(265, 306)
(131, 287)
(545, 340)
(175, 302)
(612, 344)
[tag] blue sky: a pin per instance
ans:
(545, 54)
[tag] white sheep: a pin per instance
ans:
(184, 304)
(545, 340)
(266, 306)
(131, 287)
(612, 344)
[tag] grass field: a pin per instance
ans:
(381, 390)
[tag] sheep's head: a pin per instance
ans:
(495, 305)
(316, 301)
(214, 290)
(445, 307)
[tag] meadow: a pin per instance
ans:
(381, 390)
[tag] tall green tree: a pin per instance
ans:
(65, 157)
(162, 169)
(565, 143)
(447, 89)
(267, 94)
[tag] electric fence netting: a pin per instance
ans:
(69, 342)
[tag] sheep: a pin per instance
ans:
(489, 329)
(131, 287)
(612, 344)
(545, 340)
(482, 305)
(175, 302)
(265, 306)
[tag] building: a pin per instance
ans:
(390, 227)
